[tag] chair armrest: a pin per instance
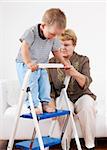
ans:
(9, 94)
(3, 97)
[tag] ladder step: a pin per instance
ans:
(48, 142)
(47, 115)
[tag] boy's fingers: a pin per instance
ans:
(34, 68)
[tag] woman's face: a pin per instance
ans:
(67, 48)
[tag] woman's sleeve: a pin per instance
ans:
(86, 72)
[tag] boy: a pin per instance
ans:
(37, 42)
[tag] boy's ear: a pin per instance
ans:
(42, 25)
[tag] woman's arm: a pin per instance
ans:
(80, 78)
(83, 78)
(59, 56)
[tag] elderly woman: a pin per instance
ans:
(81, 98)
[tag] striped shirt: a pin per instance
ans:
(40, 47)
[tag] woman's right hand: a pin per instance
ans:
(32, 66)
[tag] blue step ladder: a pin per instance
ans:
(48, 141)
(40, 143)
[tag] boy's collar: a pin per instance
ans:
(41, 33)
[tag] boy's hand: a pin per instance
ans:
(33, 67)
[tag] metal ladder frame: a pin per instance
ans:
(63, 95)
(35, 121)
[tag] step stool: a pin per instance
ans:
(47, 141)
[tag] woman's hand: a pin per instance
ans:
(71, 71)
(67, 65)
(80, 78)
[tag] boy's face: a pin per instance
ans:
(67, 48)
(50, 32)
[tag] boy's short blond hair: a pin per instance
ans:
(54, 16)
(69, 35)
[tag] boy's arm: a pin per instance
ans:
(59, 56)
(26, 56)
(25, 52)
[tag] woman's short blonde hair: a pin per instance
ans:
(54, 16)
(69, 35)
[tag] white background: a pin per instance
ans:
(87, 19)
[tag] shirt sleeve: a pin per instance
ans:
(86, 72)
(28, 36)
(56, 44)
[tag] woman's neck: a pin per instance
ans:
(67, 58)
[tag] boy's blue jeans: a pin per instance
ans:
(38, 83)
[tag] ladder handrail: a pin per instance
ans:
(50, 65)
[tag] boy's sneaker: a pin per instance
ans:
(47, 107)
(38, 109)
